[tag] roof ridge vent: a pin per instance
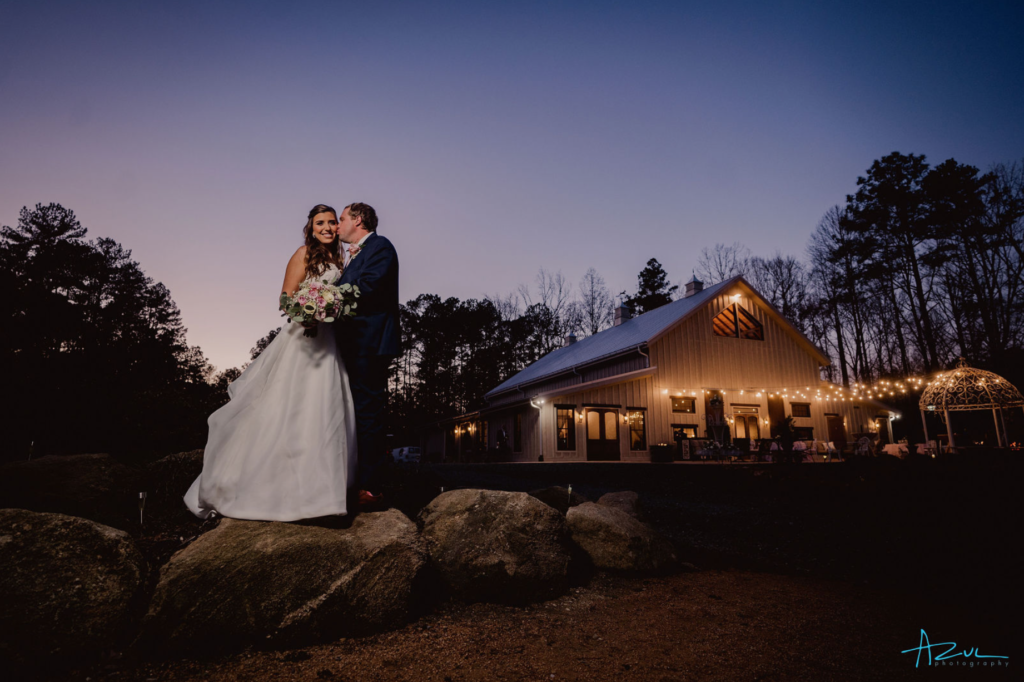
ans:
(622, 312)
(694, 286)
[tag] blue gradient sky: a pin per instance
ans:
(494, 139)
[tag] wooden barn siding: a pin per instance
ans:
(691, 359)
(637, 393)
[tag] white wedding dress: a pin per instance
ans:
(284, 446)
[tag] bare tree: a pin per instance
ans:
(721, 262)
(508, 306)
(595, 302)
(783, 281)
(553, 292)
(574, 319)
(551, 309)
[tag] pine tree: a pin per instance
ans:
(653, 289)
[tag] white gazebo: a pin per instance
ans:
(967, 389)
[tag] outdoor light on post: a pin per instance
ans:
(142, 503)
(540, 429)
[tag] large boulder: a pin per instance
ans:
(627, 501)
(70, 588)
(172, 475)
(284, 584)
(497, 546)
(558, 497)
(166, 482)
(615, 540)
(96, 487)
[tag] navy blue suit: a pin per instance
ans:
(368, 342)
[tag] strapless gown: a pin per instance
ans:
(284, 446)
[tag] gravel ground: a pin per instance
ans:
(807, 573)
(709, 625)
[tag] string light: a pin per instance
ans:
(883, 388)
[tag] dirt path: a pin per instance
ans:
(711, 625)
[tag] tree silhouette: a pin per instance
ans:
(653, 289)
(93, 351)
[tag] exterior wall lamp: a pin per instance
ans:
(540, 429)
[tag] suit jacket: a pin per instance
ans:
(374, 330)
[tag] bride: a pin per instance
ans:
(284, 447)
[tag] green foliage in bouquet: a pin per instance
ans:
(316, 302)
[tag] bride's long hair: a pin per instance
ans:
(319, 255)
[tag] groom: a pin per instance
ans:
(369, 340)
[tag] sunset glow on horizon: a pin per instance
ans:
(492, 141)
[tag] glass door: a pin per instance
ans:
(602, 434)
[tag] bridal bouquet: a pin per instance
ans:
(317, 302)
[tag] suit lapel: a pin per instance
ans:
(354, 263)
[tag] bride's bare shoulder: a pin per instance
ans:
(295, 271)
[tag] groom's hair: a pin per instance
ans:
(366, 212)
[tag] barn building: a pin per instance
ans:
(717, 357)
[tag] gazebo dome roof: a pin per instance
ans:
(966, 388)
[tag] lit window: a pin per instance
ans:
(684, 404)
(737, 323)
(637, 430)
(684, 431)
(566, 427)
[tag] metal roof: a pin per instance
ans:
(613, 341)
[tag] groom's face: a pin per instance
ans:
(349, 228)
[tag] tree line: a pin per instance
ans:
(920, 265)
(93, 351)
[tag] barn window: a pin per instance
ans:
(637, 430)
(684, 404)
(801, 409)
(684, 431)
(517, 433)
(737, 323)
(566, 421)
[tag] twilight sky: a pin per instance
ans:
(493, 138)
